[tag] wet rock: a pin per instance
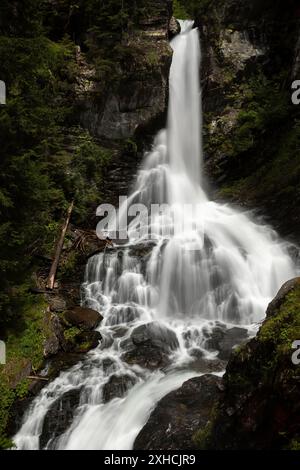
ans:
(126, 314)
(82, 317)
(150, 346)
(155, 335)
(142, 249)
(197, 353)
(86, 341)
(147, 357)
(59, 417)
(109, 365)
(119, 332)
(208, 366)
(62, 361)
(117, 386)
(179, 415)
(224, 340)
(280, 298)
(259, 408)
(174, 28)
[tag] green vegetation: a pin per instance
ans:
(201, 437)
(24, 351)
(284, 327)
(191, 8)
(71, 334)
(179, 10)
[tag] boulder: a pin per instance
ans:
(208, 366)
(86, 341)
(147, 357)
(57, 303)
(280, 298)
(83, 317)
(151, 345)
(224, 339)
(117, 386)
(179, 415)
(155, 335)
(59, 417)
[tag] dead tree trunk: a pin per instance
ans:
(60, 244)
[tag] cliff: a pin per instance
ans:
(250, 58)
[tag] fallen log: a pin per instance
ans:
(37, 377)
(60, 244)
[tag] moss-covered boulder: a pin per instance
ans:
(84, 318)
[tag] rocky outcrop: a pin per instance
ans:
(179, 415)
(117, 386)
(138, 98)
(259, 406)
(155, 335)
(223, 340)
(174, 28)
(59, 417)
(250, 56)
(150, 346)
(71, 331)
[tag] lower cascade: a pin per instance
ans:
(173, 306)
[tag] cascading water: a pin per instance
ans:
(216, 267)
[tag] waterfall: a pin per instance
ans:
(217, 269)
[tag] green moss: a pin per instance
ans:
(283, 328)
(71, 334)
(85, 346)
(24, 347)
(25, 340)
(202, 437)
(294, 445)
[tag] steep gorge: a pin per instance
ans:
(246, 74)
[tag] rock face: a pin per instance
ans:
(179, 415)
(249, 49)
(140, 97)
(259, 407)
(174, 28)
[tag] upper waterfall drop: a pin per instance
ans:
(184, 116)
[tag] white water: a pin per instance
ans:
(221, 267)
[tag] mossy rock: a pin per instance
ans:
(259, 408)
